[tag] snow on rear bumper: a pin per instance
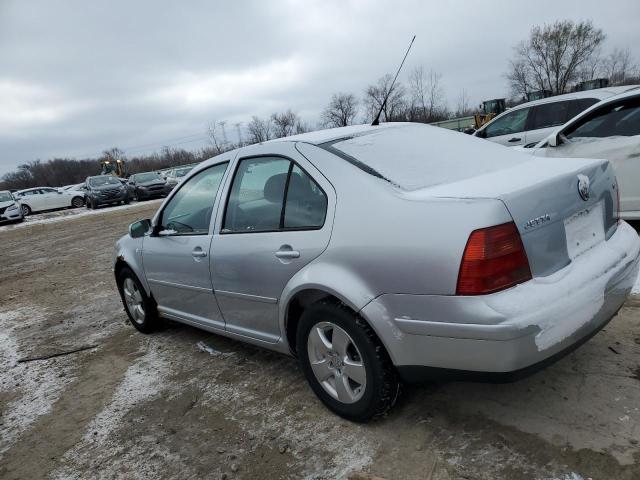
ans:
(515, 328)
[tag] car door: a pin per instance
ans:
(277, 217)
(52, 198)
(176, 257)
(36, 200)
(508, 129)
(543, 118)
(611, 132)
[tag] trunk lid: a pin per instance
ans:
(555, 221)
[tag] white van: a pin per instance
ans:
(531, 122)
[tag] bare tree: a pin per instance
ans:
(259, 130)
(463, 107)
(217, 136)
(618, 66)
(286, 124)
(394, 109)
(427, 95)
(553, 55)
(341, 111)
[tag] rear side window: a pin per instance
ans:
(549, 115)
(512, 122)
(306, 203)
(617, 119)
(579, 106)
(273, 193)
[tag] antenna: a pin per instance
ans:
(377, 119)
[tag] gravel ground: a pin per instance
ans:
(188, 404)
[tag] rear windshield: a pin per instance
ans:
(105, 180)
(418, 156)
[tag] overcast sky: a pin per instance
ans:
(78, 77)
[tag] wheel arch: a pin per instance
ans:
(309, 286)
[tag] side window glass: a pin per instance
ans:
(306, 204)
(189, 210)
(618, 119)
(579, 106)
(513, 122)
(549, 115)
(256, 198)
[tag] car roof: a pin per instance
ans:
(597, 93)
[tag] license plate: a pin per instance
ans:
(584, 230)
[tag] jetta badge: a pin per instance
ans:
(583, 187)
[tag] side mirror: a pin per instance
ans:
(139, 228)
(557, 139)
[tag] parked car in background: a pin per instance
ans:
(609, 130)
(105, 190)
(10, 210)
(531, 122)
(451, 266)
(144, 186)
(75, 186)
(46, 198)
(175, 175)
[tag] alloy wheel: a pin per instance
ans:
(336, 362)
(133, 299)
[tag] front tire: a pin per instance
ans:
(345, 363)
(26, 210)
(140, 308)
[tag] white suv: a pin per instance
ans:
(527, 124)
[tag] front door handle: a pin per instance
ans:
(198, 253)
(514, 139)
(287, 252)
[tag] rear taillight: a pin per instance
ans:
(617, 201)
(494, 259)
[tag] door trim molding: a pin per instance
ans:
(246, 296)
(164, 283)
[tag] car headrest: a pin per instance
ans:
(274, 188)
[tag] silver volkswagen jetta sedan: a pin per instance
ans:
(377, 254)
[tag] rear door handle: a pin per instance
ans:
(198, 253)
(286, 251)
(514, 139)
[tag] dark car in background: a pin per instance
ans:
(104, 190)
(144, 186)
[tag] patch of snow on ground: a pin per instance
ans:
(143, 380)
(62, 215)
(203, 347)
(37, 385)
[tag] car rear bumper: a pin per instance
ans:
(514, 330)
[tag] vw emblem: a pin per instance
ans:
(583, 187)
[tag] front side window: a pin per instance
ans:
(189, 210)
(616, 119)
(273, 193)
(549, 115)
(510, 123)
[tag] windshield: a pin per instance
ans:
(6, 197)
(104, 180)
(147, 177)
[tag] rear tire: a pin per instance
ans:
(141, 309)
(77, 202)
(334, 344)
